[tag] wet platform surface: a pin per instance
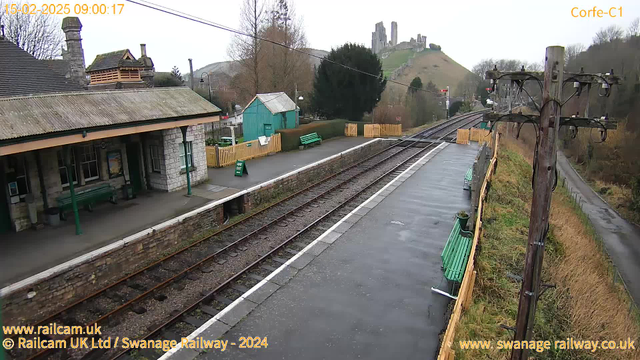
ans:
(363, 289)
(30, 252)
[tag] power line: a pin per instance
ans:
(189, 17)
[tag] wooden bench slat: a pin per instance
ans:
(310, 138)
(87, 197)
(456, 253)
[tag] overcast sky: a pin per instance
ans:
(468, 31)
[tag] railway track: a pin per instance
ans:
(264, 239)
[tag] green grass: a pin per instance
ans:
(429, 65)
(501, 252)
(587, 304)
(395, 60)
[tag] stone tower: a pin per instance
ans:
(394, 33)
(74, 54)
(378, 38)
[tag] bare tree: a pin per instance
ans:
(284, 66)
(247, 50)
(609, 34)
(571, 53)
(466, 88)
(634, 28)
(483, 66)
(39, 35)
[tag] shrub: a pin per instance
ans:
(326, 129)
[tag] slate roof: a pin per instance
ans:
(63, 112)
(58, 65)
(276, 102)
(113, 60)
(22, 74)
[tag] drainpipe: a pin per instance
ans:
(186, 157)
(67, 163)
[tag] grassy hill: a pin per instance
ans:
(429, 65)
(394, 60)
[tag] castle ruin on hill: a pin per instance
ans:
(379, 41)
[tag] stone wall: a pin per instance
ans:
(308, 176)
(52, 182)
(171, 177)
(172, 142)
(95, 270)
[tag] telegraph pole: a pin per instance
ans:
(544, 178)
(546, 124)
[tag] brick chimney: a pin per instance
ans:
(74, 54)
(148, 72)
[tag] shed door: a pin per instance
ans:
(268, 130)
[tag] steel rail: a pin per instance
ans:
(426, 132)
(226, 283)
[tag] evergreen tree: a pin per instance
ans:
(175, 72)
(416, 85)
(342, 92)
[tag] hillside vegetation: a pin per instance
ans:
(429, 65)
(585, 305)
(612, 167)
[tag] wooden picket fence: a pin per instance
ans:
(378, 130)
(466, 288)
(247, 150)
(462, 136)
(350, 129)
(479, 135)
(372, 130)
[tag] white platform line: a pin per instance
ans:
(244, 296)
(8, 290)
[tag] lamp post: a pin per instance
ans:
(301, 98)
(208, 82)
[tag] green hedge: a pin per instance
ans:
(326, 129)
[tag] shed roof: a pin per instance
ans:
(22, 74)
(277, 102)
(113, 60)
(55, 113)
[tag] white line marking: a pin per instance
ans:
(8, 290)
(244, 296)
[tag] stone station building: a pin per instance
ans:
(120, 137)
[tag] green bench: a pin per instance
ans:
(467, 179)
(456, 253)
(310, 139)
(87, 198)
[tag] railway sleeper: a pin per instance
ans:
(209, 310)
(193, 321)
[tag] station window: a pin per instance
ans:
(89, 162)
(64, 179)
(189, 155)
(18, 180)
(157, 158)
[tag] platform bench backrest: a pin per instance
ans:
(310, 138)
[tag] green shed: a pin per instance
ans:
(267, 113)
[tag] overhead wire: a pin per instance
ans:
(202, 21)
